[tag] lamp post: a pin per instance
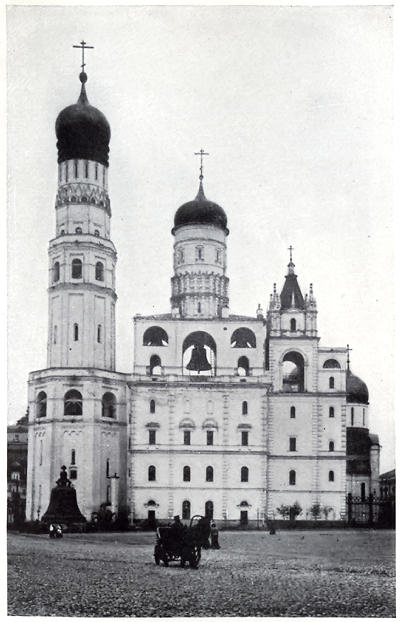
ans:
(114, 492)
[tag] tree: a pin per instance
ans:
(284, 510)
(295, 510)
(315, 511)
(325, 510)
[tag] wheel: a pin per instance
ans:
(195, 556)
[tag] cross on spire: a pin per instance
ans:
(201, 153)
(290, 249)
(83, 47)
(348, 355)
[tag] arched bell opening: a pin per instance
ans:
(199, 352)
(243, 366)
(293, 373)
(155, 368)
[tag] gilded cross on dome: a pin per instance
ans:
(290, 249)
(83, 47)
(201, 153)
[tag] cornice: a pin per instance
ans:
(83, 286)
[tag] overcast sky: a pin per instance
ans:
(294, 106)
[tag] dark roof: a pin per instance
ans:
(356, 389)
(200, 211)
(83, 132)
(291, 296)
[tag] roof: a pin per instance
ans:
(201, 211)
(291, 296)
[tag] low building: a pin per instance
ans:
(17, 458)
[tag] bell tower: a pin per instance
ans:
(82, 257)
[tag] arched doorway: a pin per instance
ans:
(209, 510)
(199, 353)
(293, 373)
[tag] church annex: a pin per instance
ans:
(223, 414)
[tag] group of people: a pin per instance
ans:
(209, 529)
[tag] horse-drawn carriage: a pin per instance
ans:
(182, 543)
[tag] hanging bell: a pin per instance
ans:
(198, 361)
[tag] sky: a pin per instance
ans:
(295, 107)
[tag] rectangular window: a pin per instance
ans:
(96, 170)
(75, 168)
(210, 437)
(73, 456)
(99, 333)
(186, 437)
(245, 438)
(86, 168)
(152, 437)
(73, 474)
(292, 443)
(66, 171)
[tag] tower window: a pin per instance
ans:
(76, 332)
(86, 168)
(59, 174)
(78, 230)
(245, 438)
(155, 365)
(41, 453)
(186, 437)
(244, 408)
(96, 170)
(186, 474)
(292, 478)
(73, 457)
(363, 416)
(292, 443)
(62, 232)
(99, 333)
(293, 325)
(152, 437)
(152, 406)
(108, 467)
(331, 446)
(331, 382)
(331, 476)
(97, 233)
(199, 253)
(244, 474)
(55, 334)
(66, 171)
(186, 509)
(210, 437)
(56, 271)
(292, 412)
(104, 175)
(41, 404)
(352, 415)
(76, 269)
(108, 405)
(218, 256)
(152, 473)
(331, 411)
(75, 168)
(243, 368)
(73, 403)
(209, 474)
(199, 307)
(99, 271)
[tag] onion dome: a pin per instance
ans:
(291, 296)
(356, 389)
(83, 132)
(201, 211)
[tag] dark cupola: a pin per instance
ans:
(291, 296)
(356, 389)
(201, 211)
(83, 132)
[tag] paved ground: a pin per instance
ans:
(332, 573)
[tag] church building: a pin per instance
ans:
(223, 414)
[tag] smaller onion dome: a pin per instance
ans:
(83, 131)
(356, 389)
(201, 211)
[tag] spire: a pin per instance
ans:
(83, 76)
(348, 357)
(200, 195)
(291, 296)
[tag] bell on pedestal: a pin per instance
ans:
(198, 361)
(63, 506)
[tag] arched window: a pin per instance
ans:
(96, 170)
(75, 168)
(243, 367)
(86, 168)
(293, 325)
(209, 509)
(152, 473)
(108, 405)
(243, 338)
(152, 406)
(331, 446)
(292, 478)
(244, 474)
(41, 404)
(55, 334)
(99, 336)
(76, 269)
(56, 271)
(186, 509)
(73, 403)
(352, 415)
(76, 332)
(331, 382)
(293, 412)
(62, 232)
(155, 365)
(108, 467)
(155, 336)
(99, 271)
(331, 411)
(331, 476)
(199, 354)
(78, 230)
(97, 233)
(209, 474)
(331, 364)
(186, 474)
(199, 307)
(293, 372)
(73, 457)
(244, 408)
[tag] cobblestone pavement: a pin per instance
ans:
(333, 573)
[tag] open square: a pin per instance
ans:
(292, 573)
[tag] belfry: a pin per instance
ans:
(225, 415)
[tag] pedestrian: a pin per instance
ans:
(214, 536)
